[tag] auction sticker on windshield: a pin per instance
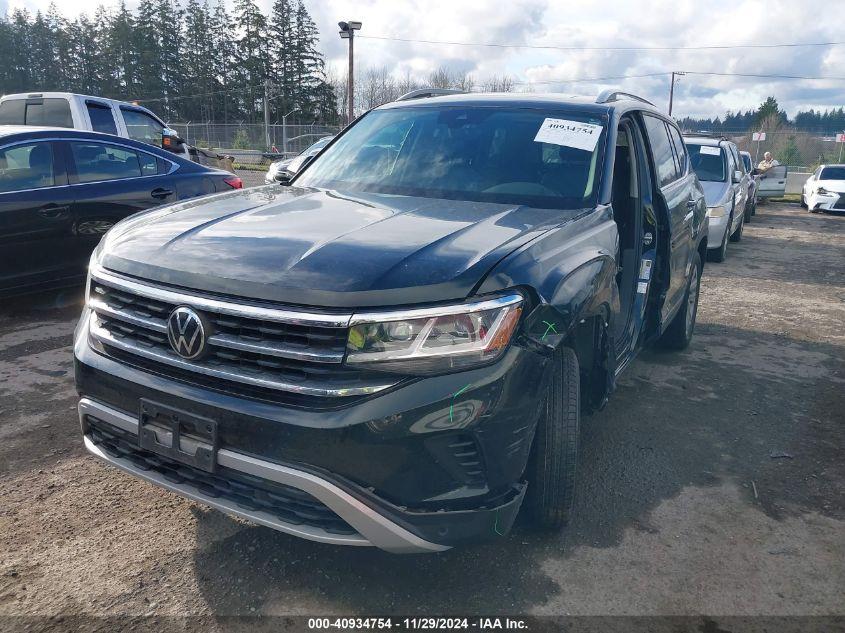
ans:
(569, 134)
(709, 149)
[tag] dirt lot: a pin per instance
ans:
(713, 482)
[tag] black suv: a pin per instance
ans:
(395, 350)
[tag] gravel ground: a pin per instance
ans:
(251, 177)
(713, 483)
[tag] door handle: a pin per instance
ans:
(161, 193)
(54, 211)
(692, 204)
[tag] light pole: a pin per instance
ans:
(672, 89)
(285, 132)
(347, 32)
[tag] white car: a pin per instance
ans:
(825, 189)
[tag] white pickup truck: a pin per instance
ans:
(97, 114)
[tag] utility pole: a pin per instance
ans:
(347, 32)
(672, 89)
(267, 114)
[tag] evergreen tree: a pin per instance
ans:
(251, 55)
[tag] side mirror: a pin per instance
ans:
(283, 178)
(737, 176)
(172, 142)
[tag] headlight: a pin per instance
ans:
(716, 212)
(822, 191)
(434, 340)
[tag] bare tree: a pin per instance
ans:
(496, 83)
(440, 78)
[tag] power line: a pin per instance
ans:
(588, 79)
(664, 73)
(600, 48)
(763, 76)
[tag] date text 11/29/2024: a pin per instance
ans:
(418, 623)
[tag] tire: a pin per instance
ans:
(748, 212)
(804, 202)
(551, 467)
(719, 255)
(679, 333)
(754, 207)
(736, 236)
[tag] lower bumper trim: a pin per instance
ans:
(372, 528)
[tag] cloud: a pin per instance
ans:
(596, 23)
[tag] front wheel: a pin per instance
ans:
(551, 467)
(679, 333)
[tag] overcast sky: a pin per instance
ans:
(596, 23)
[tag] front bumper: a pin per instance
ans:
(389, 466)
(716, 228)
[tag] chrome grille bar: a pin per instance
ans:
(220, 306)
(273, 349)
(229, 341)
(234, 373)
(103, 309)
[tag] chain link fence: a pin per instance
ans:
(247, 142)
(801, 151)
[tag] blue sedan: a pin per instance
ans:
(61, 190)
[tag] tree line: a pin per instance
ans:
(768, 115)
(190, 62)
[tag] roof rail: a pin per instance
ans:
(705, 134)
(424, 93)
(605, 96)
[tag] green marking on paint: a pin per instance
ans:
(461, 390)
(452, 405)
(550, 327)
(496, 526)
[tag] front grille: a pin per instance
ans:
(247, 346)
(286, 503)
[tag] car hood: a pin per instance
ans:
(323, 248)
(716, 193)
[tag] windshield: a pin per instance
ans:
(708, 162)
(316, 147)
(833, 173)
(486, 154)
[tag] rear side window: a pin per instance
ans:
(142, 127)
(27, 166)
(746, 160)
(102, 119)
(680, 149)
(98, 161)
(661, 148)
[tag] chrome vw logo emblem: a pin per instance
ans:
(186, 332)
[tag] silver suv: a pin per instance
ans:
(725, 180)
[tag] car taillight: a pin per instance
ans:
(234, 182)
